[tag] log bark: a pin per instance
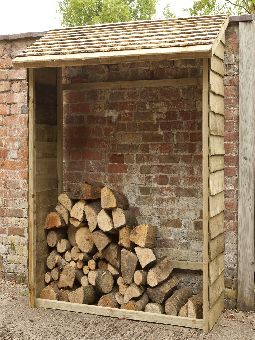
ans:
(100, 239)
(52, 259)
(90, 190)
(66, 201)
(112, 254)
(84, 240)
(124, 237)
(184, 311)
(138, 305)
(77, 210)
(104, 221)
(63, 212)
(108, 300)
(140, 277)
(128, 265)
(102, 264)
(145, 256)
(54, 220)
(133, 291)
(47, 277)
(144, 236)
(67, 277)
(91, 211)
(195, 306)
(63, 295)
(154, 308)
(174, 303)
(84, 295)
(160, 293)
(76, 223)
(119, 298)
(84, 257)
(50, 292)
(53, 236)
(104, 281)
(78, 275)
(55, 272)
(71, 232)
(63, 245)
(61, 262)
(111, 199)
(112, 270)
(160, 272)
(122, 218)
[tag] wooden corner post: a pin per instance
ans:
(31, 191)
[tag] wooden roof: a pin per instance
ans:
(101, 43)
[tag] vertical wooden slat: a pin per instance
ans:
(60, 130)
(205, 140)
(32, 192)
(246, 166)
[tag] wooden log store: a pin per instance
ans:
(200, 38)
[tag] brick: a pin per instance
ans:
(161, 179)
(117, 158)
(117, 168)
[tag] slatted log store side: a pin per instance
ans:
(176, 39)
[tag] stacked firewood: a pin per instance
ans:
(98, 254)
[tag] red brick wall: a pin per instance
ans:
(13, 162)
(145, 142)
(231, 153)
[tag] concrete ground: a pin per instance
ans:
(19, 322)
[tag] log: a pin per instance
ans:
(91, 211)
(145, 256)
(122, 285)
(122, 218)
(68, 256)
(174, 303)
(73, 264)
(53, 236)
(104, 221)
(160, 272)
(76, 223)
(63, 295)
(55, 272)
(77, 210)
(78, 275)
(83, 257)
(79, 263)
(101, 264)
(138, 305)
(84, 240)
(63, 245)
(100, 239)
(97, 256)
(161, 292)
(154, 308)
(112, 254)
(71, 231)
(83, 295)
(112, 270)
(108, 300)
(75, 252)
(52, 259)
(65, 201)
(111, 199)
(50, 292)
(124, 237)
(84, 281)
(140, 277)
(133, 291)
(195, 306)
(119, 298)
(54, 220)
(104, 281)
(47, 277)
(92, 264)
(128, 265)
(67, 277)
(61, 262)
(85, 270)
(144, 236)
(63, 212)
(184, 311)
(92, 274)
(90, 190)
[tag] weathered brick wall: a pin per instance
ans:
(231, 82)
(13, 162)
(145, 142)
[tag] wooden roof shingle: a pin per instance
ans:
(73, 44)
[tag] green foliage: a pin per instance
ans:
(210, 7)
(168, 13)
(82, 12)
